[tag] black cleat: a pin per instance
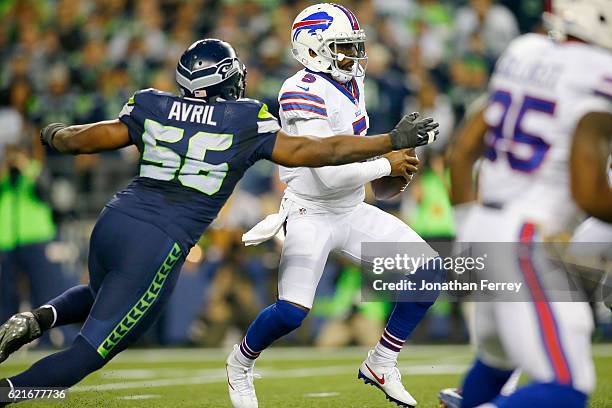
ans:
(20, 329)
(450, 398)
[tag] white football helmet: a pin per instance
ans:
(589, 20)
(316, 34)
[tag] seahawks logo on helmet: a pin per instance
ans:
(210, 68)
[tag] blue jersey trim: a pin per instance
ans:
(301, 95)
(304, 107)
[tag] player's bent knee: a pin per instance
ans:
(290, 314)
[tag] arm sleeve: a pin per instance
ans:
(348, 175)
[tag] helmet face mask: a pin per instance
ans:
(325, 37)
(209, 69)
(347, 49)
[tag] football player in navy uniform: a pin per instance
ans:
(194, 148)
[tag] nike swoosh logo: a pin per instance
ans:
(301, 87)
(381, 380)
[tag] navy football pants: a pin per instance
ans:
(133, 268)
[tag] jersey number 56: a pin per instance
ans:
(163, 163)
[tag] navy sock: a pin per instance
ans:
(63, 369)
(482, 384)
(544, 395)
(73, 306)
(273, 322)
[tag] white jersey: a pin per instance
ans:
(539, 91)
(309, 95)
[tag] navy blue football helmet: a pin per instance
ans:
(209, 69)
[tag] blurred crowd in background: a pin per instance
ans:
(79, 61)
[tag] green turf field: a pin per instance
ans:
(294, 377)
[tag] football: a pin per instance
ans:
(388, 187)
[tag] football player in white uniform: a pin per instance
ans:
(545, 136)
(323, 210)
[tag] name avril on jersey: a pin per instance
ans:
(187, 112)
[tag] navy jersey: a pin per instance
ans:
(192, 154)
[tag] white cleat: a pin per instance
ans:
(388, 379)
(240, 382)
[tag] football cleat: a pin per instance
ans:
(388, 379)
(20, 329)
(450, 398)
(240, 382)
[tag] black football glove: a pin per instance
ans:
(412, 131)
(48, 133)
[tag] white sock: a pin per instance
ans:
(244, 360)
(383, 356)
(387, 349)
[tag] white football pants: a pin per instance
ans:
(549, 341)
(311, 235)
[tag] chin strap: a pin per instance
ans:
(340, 77)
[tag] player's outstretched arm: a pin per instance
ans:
(307, 151)
(467, 149)
(86, 139)
(588, 160)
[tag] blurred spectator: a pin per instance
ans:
(468, 76)
(148, 14)
(12, 114)
(494, 22)
(386, 90)
(232, 298)
(432, 29)
(273, 71)
(17, 69)
(349, 321)
(27, 231)
(430, 102)
(528, 13)
(91, 64)
(60, 103)
(432, 217)
(69, 21)
(114, 89)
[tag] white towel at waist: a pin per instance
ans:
(268, 227)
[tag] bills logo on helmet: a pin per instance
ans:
(312, 23)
